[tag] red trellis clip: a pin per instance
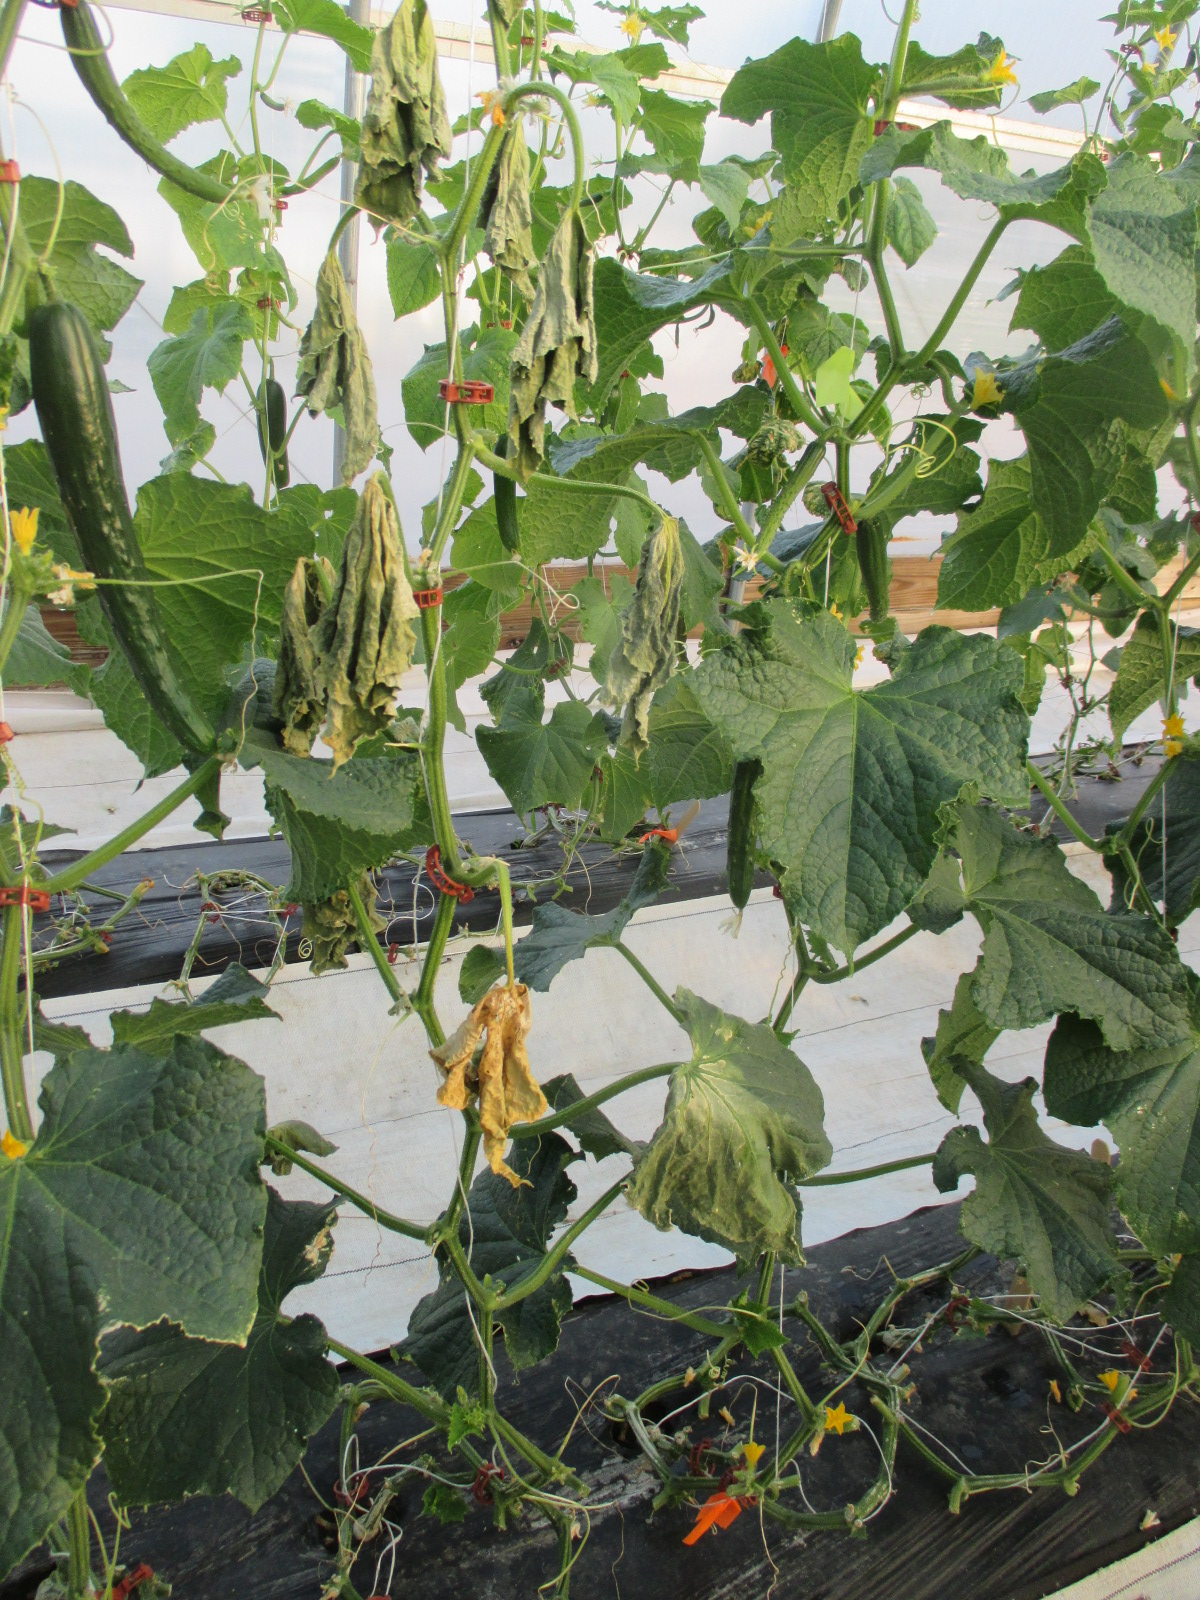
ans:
(836, 501)
(470, 392)
(667, 835)
(447, 885)
(34, 899)
(267, 303)
(1115, 1417)
(10, 172)
(1131, 1352)
(142, 1573)
(427, 598)
(258, 14)
(349, 1498)
(557, 666)
(481, 1488)
(281, 205)
(6, 733)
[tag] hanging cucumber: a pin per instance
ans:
(90, 59)
(504, 492)
(743, 832)
(272, 429)
(871, 542)
(70, 391)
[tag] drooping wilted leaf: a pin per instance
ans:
(335, 368)
(169, 1395)
(1033, 1199)
(331, 926)
(507, 214)
(298, 700)
(645, 657)
(744, 1120)
(406, 128)
(557, 347)
(364, 639)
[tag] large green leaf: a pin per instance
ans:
(1050, 946)
(1182, 1303)
(207, 356)
(344, 823)
(631, 306)
(504, 1232)
(675, 129)
(191, 88)
(910, 228)
(1033, 1199)
(237, 996)
(1141, 673)
(413, 275)
(1166, 845)
(328, 19)
(539, 763)
(852, 781)
(962, 80)
(559, 935)
(121, 699)
(139, 1199)
(1143, 235)
(37, 659)
(486, 356)
(949, 474)
(95, 283)
(963, 1036)
(186, 1416)
(689, 757)
(665, 444)
(1149, 1098)
(744, 1120)
(1063, 302)
(819, 97)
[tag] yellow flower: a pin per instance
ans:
(753, 1453)
(12, 1148)
(1056, 1391)
(3, 419)
(1001, 70)
(1110, 1379)
(987, 392)
(493, 106)
(64, 595)
(744, 560)
(837, 1419)
(633, 27)
(834, 612)
(1165, 38)
(24, 528)
(1167, 389)
(858, 658)
(1173, 735)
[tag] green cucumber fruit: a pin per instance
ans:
(742, 847)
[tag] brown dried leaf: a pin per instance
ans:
(557, 345)
(502, 1081)
(297, 700)
(363, 639)
(645, 657)
(406, 128)
(335, 369)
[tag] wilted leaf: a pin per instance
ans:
(298, 700)
(335, 369)
(645, 657)
(508, 228)
(406, 128)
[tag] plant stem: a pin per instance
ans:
(869, 960)
(793, 486)
(648, 979)
(385, 1219)
(12, 1054)
(422, 998)
(1060, 810)
(429, 1406)
(728, 503)
(506, 469)
(565, 1117)
(1149, 794)
(550, 91)
(651, 1302)
(367, 939)
(14, 614)
(824, 1179)
(10, 24)
(549, 1263)
(79, 1549)
(796, 396)
(71, 877)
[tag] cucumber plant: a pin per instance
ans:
(145, 1258)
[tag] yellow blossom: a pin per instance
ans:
(1165, 38)
(3, 419)
(633, 26)
(493, 106)
(1173, 735)
(12, 1148)
(1110, 1379)
(987, 392)
(24, 525)
(835, 612)
(753, 1453)
(1001, 70)
(1056, 1391)
(744, 560)
(1167, 389)
(858, 658)
(837, 1418)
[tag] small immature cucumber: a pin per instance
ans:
(743, 832)
(90, 60)
(504, 492)
(70, 391)
(272, 429)
(871, 541)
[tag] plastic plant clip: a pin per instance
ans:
(447, 885)
(481, 1488)
(33, 899)
(470, 392)
(258, 14)
(427, 599)
(10, 172)
(132, 1580)
(266, 303)
(836, 501)
(6, 733)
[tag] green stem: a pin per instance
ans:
(12, 1054)
(549, 1263)
(367, 939)
(824, 1179)
(796, 395)
(422, 999)
(71, 877)
(504, 468)
(1184, 578)
(466, 1171)
(564, 1118)
(362, 1202)
(872, 956)
(1126, 582)
(79, 1549)
(649, 980)
(429, 1406)
(499, 40)
(468, 209)
(1139, 811)
(1060, 811)
(724, 494)
(793, 486)
(10, 24)
(14, 614)
(550, 91)
(651, 1302)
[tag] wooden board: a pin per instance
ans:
(985, 1398)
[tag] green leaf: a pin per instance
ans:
(963, 1037)
(631, 306)
(329, 20)
(1049, 945)
(297, 1136)
(1141, 674)
(610, 74)
(560, 936)
(478, 552)
(744, 1120)
(1072, 94)
(1143, 235)
(726, 185)
(675, 128)
(227, 234)
(316, 114)
(625, 794)
(447, 1504)
(601, 601)
(190, 89)
(506, 1232)
(540, 763)
(237, 996)
(139, 1199)
(344, 823)
(831, 380)
(413, 273)
(689, 757)
(482, 967)
(667, 22)
(666, 444)
(1033, 1199)
(910, 228)
(30, 481)
(960, 80)
(853, 781)
(186, 1416)
(1149, 1099)
(1176, 818)
(819, 97)
(1064, 302)
(1182, 1303)
(36, 658)
(485, 357)
(597, 1136)
(101, 289)
(117, 694)
(207, 356)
